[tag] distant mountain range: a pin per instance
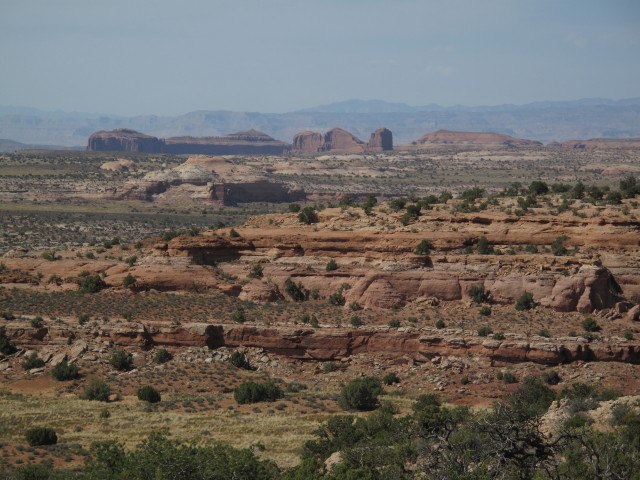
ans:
(542, 121)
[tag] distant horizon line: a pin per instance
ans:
(585, 101)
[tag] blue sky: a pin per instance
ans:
(169, 57)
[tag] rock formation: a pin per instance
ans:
(381, 140)
(340, 141)
(124, 140)
(447, 137)
(597, 143)
(241, 143)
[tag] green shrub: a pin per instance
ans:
(425, 401)
(628, 335)
(65, 371)
(297, 292)
(337, 299)
(294, 207)
(131, 261)
(6, 346)
(32, 361)
(91, 284)
(121, 360)
(356, 322)
(129, 281)
(395, 323)
(424, 247)
(37, 322)
(525, 302)
(508, 377)
(498, 336)
(440, 324)
(256, 271)
(83, 318)
(590, 325)
(97, 390)
(239, 316)
(239, 360)
(331, 265)
(484, 248)
(485, 311)
(558, 248)
(464, 380)
(390, 379)
(252, 392)
(484, 331)
(360, 394)
(149, 394)
(162, 356)
(329, 367)
(544, 333)
(308, 216)
(477, 294)
(551, 378)
(41, 436)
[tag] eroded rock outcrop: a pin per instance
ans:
(240, 143)
(381, 140)
(124, 140)
(448, 137)
(340, 141)
(597, 143)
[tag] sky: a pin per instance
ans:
(166, 57)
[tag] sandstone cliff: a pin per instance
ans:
(597, 143)
(381, 140)
(124, 140)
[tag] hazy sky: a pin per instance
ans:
(170, 57)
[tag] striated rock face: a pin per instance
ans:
(323, 344)
(307, 142)
(249, 142)
(339, 140)
(124, 140)
(381, 141)
(595, 143)
(447, 137)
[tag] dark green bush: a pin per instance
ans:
(360, 394)
(252, 392)
(395, 323)
(121, 360)
(390, 379)
(551, 378)
(239, 360)
(558, 248)
(6, 346)
(485, 311)
(41, 436)
(149, 394)
(477, 294)
(484, 331)
(297, 292)
(129, 281)
(308, 216)
(484, 248)
(162, 356)
(331, 265)
(239, 316)
(294, 207)
(91, 284)
(256, 271)
(440, 324)
(525, 302)
(32, 361)
(65, 371)
(424, 247)
(97, 390)
(590, 325)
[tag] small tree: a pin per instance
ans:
(484, 248)
(91, 284)
(162, 356)
(590, 325)
(239, 316)
(525, 302)
(360, 394)
(6, 346)
(424, 247)
(128, 281)
(65, 371)
(239, 360)
(477, 294)
(32, 361)
(390, 379)
(41, 436)
(121, 360)
(294, 207)
(331, 265)
(558, 248)
(308, 216)
(256, 271)
(97, 390)
(149, 394)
